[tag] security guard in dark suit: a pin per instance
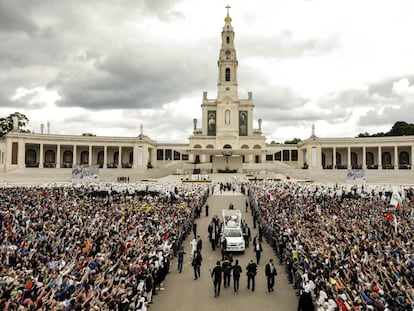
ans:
(251, 274)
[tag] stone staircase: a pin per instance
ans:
(64, 175)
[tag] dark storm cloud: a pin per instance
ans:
(135, 78)
(13, 18)
(67, 37)
(384, 105)
(389, 115)
(282, 104)
(282, 98)
(348, 99)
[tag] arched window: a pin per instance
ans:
(370, 158)
(354, 159)
(227, 74)
(386, 158)
(50, 156)
(84, 157)
(338, 159)
(100, 158)
(227, 39)
(116, 157)
(404, 158)
(31, 157)
(67, 158)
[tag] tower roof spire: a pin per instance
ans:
(228, 18)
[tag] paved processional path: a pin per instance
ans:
(183, 293)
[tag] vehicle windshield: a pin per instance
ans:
(232, 233)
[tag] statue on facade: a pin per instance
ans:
(15, 123)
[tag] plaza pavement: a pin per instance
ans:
(183, 293)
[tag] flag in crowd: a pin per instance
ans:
(396, 199)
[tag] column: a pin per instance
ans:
(145, 156)
(396, 158)
(319, 155)
(334, 157)
(120, 157)
(152, 156)
(41, 156)
(379, 158)
(90, 155)
(58, 156)
(412, 157)
(135, 156)
(21, 154)
(105, 164)
(364, 158)
(300, 158)
(74, 155)
(349, 164)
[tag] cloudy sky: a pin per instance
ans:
(105, 67)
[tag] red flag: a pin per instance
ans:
(389, 216)
(28, 285)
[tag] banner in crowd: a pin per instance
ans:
(355, 175)
(85, 172)
(396, 199)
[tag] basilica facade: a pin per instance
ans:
(225, 140)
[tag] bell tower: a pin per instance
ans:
(227, 64)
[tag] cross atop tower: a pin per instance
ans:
(227, 19)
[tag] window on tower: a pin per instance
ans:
(227, 39)
(227, 74)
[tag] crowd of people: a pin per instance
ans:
(109, 248)
(347, 249)
(85, 248)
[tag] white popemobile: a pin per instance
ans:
(232, 230)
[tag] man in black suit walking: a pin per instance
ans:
(270, 271)
(199, 244)
(196, 263)
(237, 270)
(257, 248)
(251, 274)
(216, 275)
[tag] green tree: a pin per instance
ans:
(401, 128)
(366, 134)
(6, 123)
(293, 141)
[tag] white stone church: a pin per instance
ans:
(224, 141)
